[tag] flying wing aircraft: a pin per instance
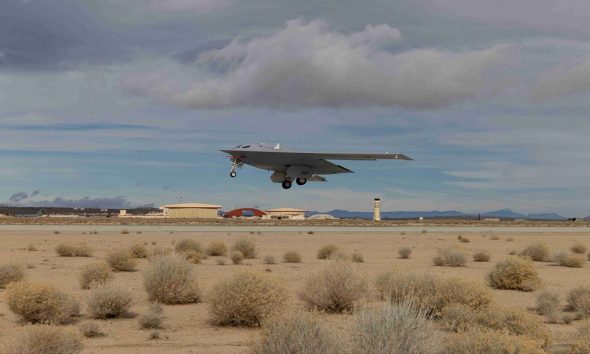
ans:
(289, 165)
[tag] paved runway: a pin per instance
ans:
(275, 229)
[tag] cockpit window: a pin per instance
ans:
(245, 146)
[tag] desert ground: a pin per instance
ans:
(186, 327)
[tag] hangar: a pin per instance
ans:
(191, 211)
(286, 213)
(244, 213)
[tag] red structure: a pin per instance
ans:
(244, 213)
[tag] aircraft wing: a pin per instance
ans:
(318, 161)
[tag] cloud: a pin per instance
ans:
(18, 197)
(564, 80)
(307, 65)
(196, 6)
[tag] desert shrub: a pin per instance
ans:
(186, 245)
(298, 333)
(193, 257)
(95, 274)
(392, 329)
(578, 248)
(32, 248)
(486, 341)
(357, 257)
(247, 247)
(464, 239)
(326, 252)
(245, 299)
(340, 256)
(482, 256)
(160, 251)
(124, 232)
(404, 252)
(569, 260)
(514, 273)
(514, 321)
(171, 280)
(588, 256)
(42, 339)
(40, 303)
(430, 293)
(152, 319)
(509, 239)
(73, 250)
(220, 261)
(494, 237)
(457, 317)
(11, 272)
(108, 302)
(292, 257)
(216, 248)
(578, 299)
(236, 257)
(138, 251)
(582, 343)
(547, 303)
(121, 261)
(90, 330)
(335, 289)
(450, 257)
(538, 252)
(269, 259)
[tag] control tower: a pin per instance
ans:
(377, 209)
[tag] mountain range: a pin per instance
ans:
(502, 213)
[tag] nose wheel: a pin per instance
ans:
(286, 184)
(232, 174)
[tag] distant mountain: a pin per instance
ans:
(502, 213)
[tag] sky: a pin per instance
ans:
(107, 103)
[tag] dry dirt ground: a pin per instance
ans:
(186, 327)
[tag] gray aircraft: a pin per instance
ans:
(289, 165)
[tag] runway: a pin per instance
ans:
(318, 229)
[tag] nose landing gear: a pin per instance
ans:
(232, 174)
(235, 163)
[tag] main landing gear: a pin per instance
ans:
(300, 181)
(286, 184)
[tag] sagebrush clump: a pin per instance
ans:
(171, 280)
(579, 248)
(547, 303)
(298, 333)
(451, 257)
(90, 330)
(269, 259)
(121, 260)
(108, 302)
(514, 273)
(389, 328)
(569, 260)
(216, 249)
(152, 318)
(292, 257)
(236, 257)
(578, 299)
(404, 252)
(326, 252)
(245, 299)
(95, 274)
(73, 250)
(487, 341)
(40, 303)
(482, 256)
(431, 293)
(514, 321)
(335, 289)
(247, 247)
(186, 245)
(357, 257)
(138, 251)
(538, 252)
(10, 273)
(43, 339)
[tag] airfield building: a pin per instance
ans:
(191, 211)
(285, 214)
(244, 213)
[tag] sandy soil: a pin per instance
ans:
(186, 327)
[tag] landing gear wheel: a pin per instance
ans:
(286, 184)
(232, 174)
(301, 181)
